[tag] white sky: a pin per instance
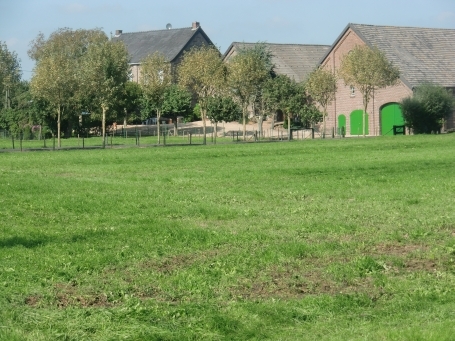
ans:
(273, 21)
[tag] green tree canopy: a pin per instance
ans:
(426, 110)
(368, 69)
(104, 72)
(222, 108)
(249, 70)
(203, 73)
(58, 66)
(321, 87)
(10, 74)
(177, 102)
(155, 79)
(283, 93)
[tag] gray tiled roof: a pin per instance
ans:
(422, 54)
(168, 42)
(294, 60)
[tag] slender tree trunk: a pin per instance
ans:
(59, 114)
(244, 122)
(103, 125)
(125, 119)
(204, 126)
(214, 133)
(158, 116)
(260, 121)
(289, 127)
(364, 118)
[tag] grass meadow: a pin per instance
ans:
(350, 239)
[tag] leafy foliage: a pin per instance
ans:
(59, 65)
(104, 73)
(10, 74)
(321, 87)
(368, 69)
(425, 111)
(249, 70)
(203, 73)
(156, 78)
(177, 102)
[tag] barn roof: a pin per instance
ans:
(294, 60)
(421, 54)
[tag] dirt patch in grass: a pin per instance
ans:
(32, 300)
(291, 282)
(395, 249)
(171, 264)
(69, 295)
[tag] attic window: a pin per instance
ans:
(352, 90)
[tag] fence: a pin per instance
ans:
(147, 136)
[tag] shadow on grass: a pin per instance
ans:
(28, 243)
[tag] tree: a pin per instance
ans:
(221, 108)
(58, 64)
(10, 74)
(283, 93)
(130, 100)
(177, 102)
(248, 72)
(156, 78)
(368, 70)
(322, 86)
(203, 72)
(104, 72)
(426, 110)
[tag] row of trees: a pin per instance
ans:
(83, 71)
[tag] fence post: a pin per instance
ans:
(12, 139)
(112, 138)
(312, 133)
(333, 132)
(53, 142)
(83, 142)
(190, 137)
(20, 139)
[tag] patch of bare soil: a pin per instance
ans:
(293, 283)
(69, 295)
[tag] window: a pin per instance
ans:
(352, 90)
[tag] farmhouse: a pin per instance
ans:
(421, 54)
(172, 43)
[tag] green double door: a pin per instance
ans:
(390, 116)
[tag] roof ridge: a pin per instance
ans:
(396, 26)
(238, 42)
(171, 29)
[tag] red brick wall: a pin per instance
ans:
(345, 103)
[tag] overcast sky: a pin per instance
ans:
(273, 21)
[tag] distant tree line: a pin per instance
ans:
(82, 71)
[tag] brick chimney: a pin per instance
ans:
(118, 33)
(195, 25)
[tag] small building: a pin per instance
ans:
(421, 54)
(172, 43)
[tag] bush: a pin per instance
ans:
(427, 109)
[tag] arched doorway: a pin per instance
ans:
(341, 124)
(357, 122)
(390, 115)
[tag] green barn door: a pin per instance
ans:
(341, 124)
(390, 115)
(357, 122)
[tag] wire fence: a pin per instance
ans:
(147, 136)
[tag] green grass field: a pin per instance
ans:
(350, 239)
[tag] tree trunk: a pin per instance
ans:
(214, 133)
(158, 116)
(125, 123)
(244, 123)
(203, 112)
(323, 125)
(260, 121)
(103, 125)
(289, 127)
(58, 126)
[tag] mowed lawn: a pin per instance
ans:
(350, 239)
